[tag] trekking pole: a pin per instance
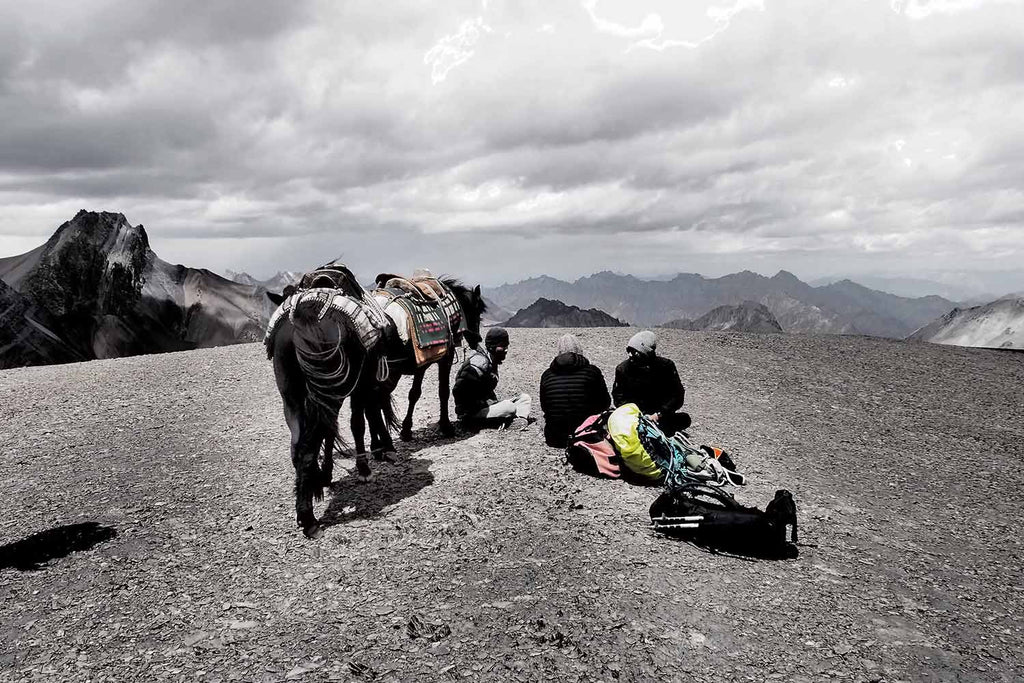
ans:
(693, 525)
(689, 522)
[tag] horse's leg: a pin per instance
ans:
(444, 374)
(358, 424)
(372, 412)
(358, 406)
(379, 428)
(327, 468)
(414, 395)
(304, 447)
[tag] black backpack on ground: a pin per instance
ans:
(711, 518)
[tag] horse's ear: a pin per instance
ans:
(277, 299)
(476, 291)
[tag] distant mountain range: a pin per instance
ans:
(843, 307)
(96, 290)
(275, 284)
(746, 317)
(548, 313)
(999, 324)
(494, 314)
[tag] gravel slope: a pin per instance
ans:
(483, 557)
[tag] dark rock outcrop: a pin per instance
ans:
(27, 334)
(549, 313)
(749, 316)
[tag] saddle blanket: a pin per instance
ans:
(432, 324)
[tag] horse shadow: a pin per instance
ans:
(36, 551)
(398, 477)
(430, 436)
(352, 499)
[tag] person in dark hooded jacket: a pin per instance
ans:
(571, 390)
(652, 382)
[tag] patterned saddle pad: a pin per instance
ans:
(434, 321)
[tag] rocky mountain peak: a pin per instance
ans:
(550, 313)
(91, 266)
(784, 277)
(747, 316)
(998, 324)
(106, 231)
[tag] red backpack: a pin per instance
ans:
(590, 451)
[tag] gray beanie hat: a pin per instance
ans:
(645, 342)
(568, 343)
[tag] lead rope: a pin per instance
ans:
(383, 369)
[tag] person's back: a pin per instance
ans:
(652, 383)
(571, 390)
(474, 384)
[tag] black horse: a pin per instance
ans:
(403, 360)
(325, 349)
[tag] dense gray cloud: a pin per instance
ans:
(499, 139)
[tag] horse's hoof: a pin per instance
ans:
(446, 429)
(405, 435)
(313, 532)
(383, 455)
(366, 478)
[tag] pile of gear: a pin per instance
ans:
(695, 505)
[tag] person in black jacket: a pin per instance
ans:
(571, 390)
(476, 404)
(651, 382)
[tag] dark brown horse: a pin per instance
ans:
(328, 343)
(402, 359)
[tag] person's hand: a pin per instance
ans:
(653, 417)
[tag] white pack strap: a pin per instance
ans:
(366, 314)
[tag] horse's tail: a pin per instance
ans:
(331, 358)
(387, 409)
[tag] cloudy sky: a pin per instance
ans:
(498, 140)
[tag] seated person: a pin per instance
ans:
(475, 402)
(571, 390)
(651, 382)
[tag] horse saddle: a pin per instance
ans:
(422, 285)
(327, 277)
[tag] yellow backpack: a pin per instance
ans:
(622, 430)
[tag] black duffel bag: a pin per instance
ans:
(711, 518)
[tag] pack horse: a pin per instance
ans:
(330, 339)
(431, 316)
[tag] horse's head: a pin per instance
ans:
(473, 307)
(278, 299)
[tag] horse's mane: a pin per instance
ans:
(461, 291)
